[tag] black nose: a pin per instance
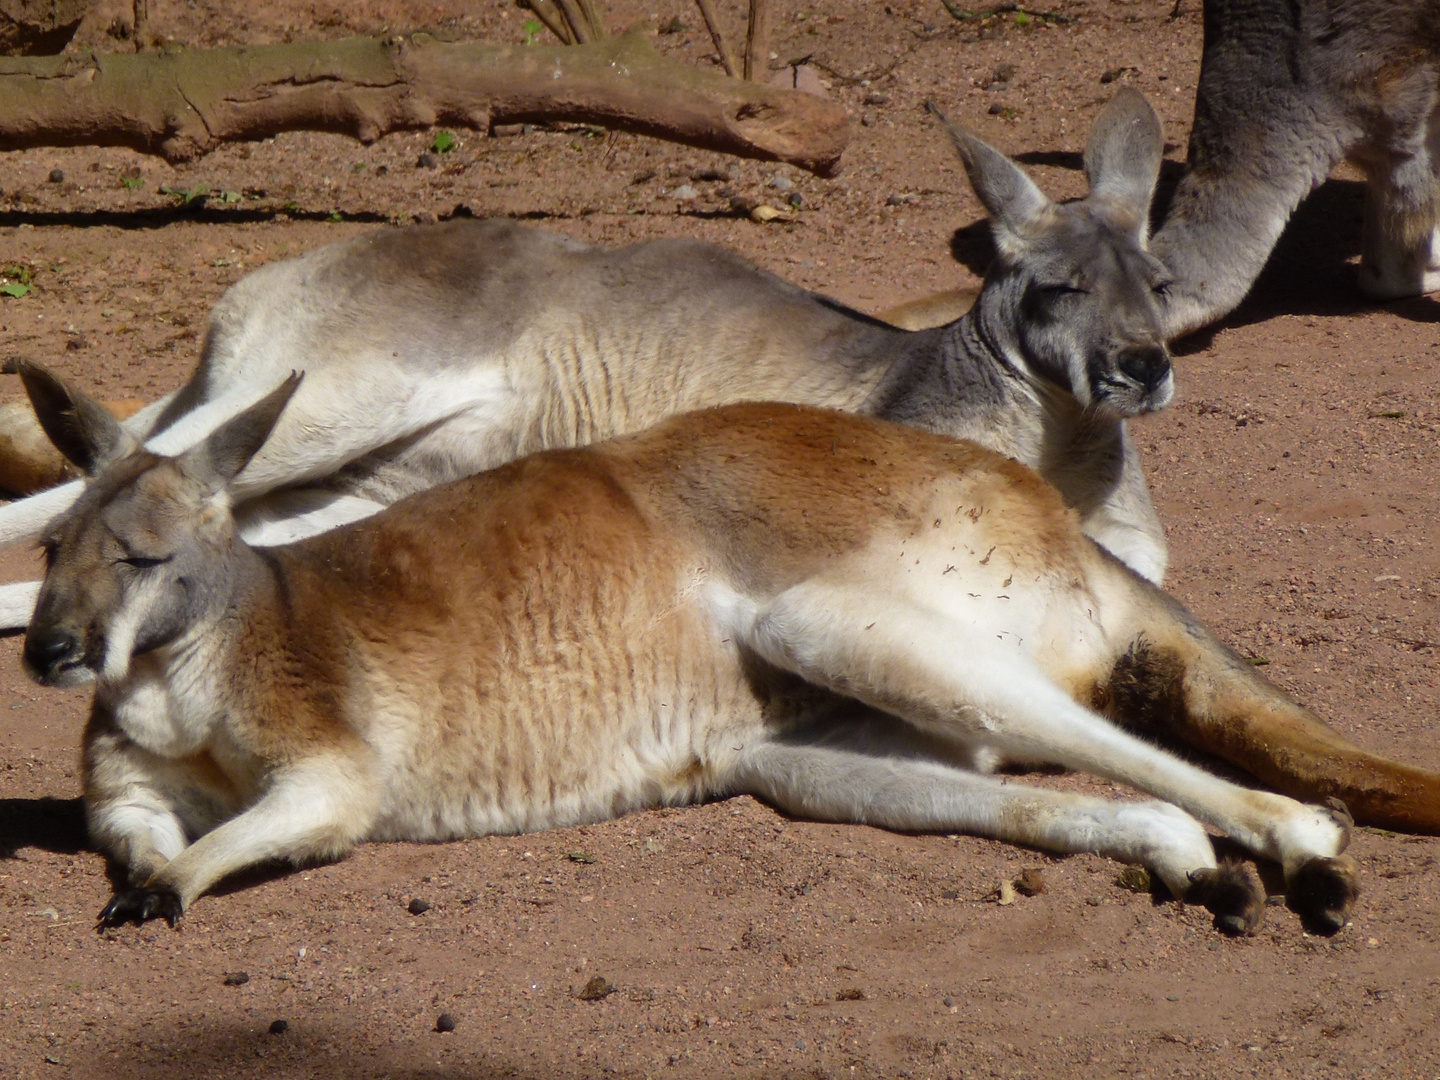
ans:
(46, 648)
(1146, 364)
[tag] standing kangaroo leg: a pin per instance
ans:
(1400, 244)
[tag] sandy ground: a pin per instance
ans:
(1294, 473)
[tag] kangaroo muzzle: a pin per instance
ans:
(50, 651)
(1146, 365)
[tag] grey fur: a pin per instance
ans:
(1287, 89)
(434, 353)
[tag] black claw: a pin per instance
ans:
(139, 906)
(1323, 892)
(1232, 893)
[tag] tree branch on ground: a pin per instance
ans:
(181, 103)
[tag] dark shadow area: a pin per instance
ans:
(973, 247)
(309, 1045)
(1054, 159)
(54, 825)
(161, 216)
(1170, 171)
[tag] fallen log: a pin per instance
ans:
(183, 103)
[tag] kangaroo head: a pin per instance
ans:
(141, 557)
(1074, 296)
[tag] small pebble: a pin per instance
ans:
(796, 200)
(999, 108)
(949, 1001)
(710, 173)
(781, 183)
(445, 1022)
(1031, 882)
(279, 1027)
(427, 161)
(875, 97)
(596, 989)
(57, 176)
(684, 193)
(237, 978)
(418, 906)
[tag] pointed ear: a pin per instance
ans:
(81, 428)
(1011, 198)
(229, 448)
(1122, 159)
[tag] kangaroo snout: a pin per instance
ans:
(1145, 364)
(48, 650)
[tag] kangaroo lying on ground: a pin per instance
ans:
(849, 619)
(433, 353)
(1287, 89)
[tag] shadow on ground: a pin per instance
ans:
(55, 825)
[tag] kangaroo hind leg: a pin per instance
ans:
(1400, 240)
(954, 680)
(836, 783)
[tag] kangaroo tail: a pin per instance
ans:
(1176, 678)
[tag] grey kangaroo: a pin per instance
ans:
(1287, 89)
(434, 353)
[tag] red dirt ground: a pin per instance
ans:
(1294, 472)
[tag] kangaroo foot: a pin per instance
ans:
(138, 906)
(1323, 893)
(1232, 893)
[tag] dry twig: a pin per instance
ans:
(712, 23)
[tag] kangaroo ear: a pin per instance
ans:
(229, 448)
(1011, 198)
(1122, 159)
(81, 428)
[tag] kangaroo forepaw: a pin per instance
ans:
(139, 906)
(1232, 893)
(1323, 892)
